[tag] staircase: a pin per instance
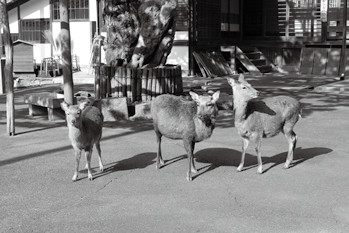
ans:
(250, 59)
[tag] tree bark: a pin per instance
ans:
(122, 31)
(64, 38)
(155, 17)
(8, 71)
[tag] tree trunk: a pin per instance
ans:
(8, 71)
(139, 33)
(64, 38)
(155, 17)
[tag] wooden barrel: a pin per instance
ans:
(140, 84)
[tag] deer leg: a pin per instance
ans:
(88, 153)
(193, 169)
(98, 147)
(188, 147)
(77, 161)
(292, 141)
(258, 143)
(159, 161)
(245, 142)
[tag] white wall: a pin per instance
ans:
(179, 54)
(93, 10)
(80, 35)
(13, 20)
(35, 9)
(41, 51)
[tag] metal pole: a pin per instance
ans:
(344, 42)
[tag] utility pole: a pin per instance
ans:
(8, 71)
(344, 44)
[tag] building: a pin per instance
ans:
(30, 18)
(280, 29)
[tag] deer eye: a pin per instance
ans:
(243, 87)
(209, 104)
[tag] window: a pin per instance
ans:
(32, 30)
(230, 16)
(78, 10)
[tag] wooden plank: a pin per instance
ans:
(200, 62)
(307, 60)
(333, 62)
(139, 84)
(144, 84)
(320, 61)
(149, 83)
(129, 84)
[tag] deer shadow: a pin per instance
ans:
(138, 161)
(217, 157)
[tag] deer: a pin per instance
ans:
(85, 125)
(257, 118)
(190, 120)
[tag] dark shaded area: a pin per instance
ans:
(135, 162)
(217, 157)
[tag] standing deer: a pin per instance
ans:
(177, 118)
(85, 129)
(263, 118)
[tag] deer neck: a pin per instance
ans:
(204, 126)
(240, 109)
(75, 132)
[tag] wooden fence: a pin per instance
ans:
(139, 84)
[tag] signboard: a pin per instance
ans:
(323, 10)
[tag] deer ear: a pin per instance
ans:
(194, 96)
(64, 106)
(215, 96)
(231, 81)
(241, 78)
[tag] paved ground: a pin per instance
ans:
(36, 167)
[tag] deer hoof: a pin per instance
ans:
(260, 170)
(90, 177)
(194, 170)
(101, 167)
(75, 176)
(286, 166)
(239, 169)
(189, 178)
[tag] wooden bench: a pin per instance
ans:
(45, 103)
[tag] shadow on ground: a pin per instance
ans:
(217, 157)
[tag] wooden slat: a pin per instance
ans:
(320, 61)
(333, 61)
(307, 59)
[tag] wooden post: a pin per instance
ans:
(344, 41)
(8, 70)
(66, 52)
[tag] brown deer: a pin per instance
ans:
(85, 125)
(257, 118)
(178, 118)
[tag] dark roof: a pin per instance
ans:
(14, 3)
(22, 41)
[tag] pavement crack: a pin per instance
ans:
(104, 186)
